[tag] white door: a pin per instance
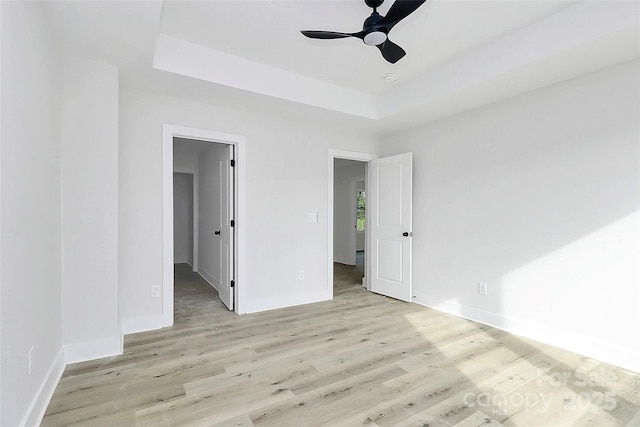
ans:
(226, 234)
(389, 208)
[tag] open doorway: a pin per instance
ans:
(215, 240)
(203, 218)
(347, 259)
(349, 212)
(388, 231)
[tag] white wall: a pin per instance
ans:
(2, 35)
(286, 179)
(30, 199)
(183, 218)
(539, 197)
(344, 211)
(209, 214)
(360, 235)
(91, 326)
(185, 160)
(185, 156)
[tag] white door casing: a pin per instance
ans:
(389, 203)
(225, 229)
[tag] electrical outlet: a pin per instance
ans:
(155, 291)
(301, 275)
(30, 360)
(482, 288)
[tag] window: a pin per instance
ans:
(360, 213)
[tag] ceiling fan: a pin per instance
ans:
(376, 28)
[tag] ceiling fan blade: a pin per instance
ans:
(400, 10)
(325, 34)
(391, 51)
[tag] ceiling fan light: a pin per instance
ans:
(375, 38)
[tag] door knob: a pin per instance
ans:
(217, 232)
(406, 234)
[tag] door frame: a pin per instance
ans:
(170, 131)
(348, 155)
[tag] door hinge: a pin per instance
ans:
(233, 222)
(233, 162)
(233, 284)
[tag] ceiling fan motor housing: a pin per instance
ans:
(372, 21)
(374, 34)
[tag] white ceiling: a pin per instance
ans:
(250, 54)
(269, 32)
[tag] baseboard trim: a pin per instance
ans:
(288, 301)
(40, 402)
(208, 277)
(625, 358)
(345, 261)
(90, 350)
(141, 324)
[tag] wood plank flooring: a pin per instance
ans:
(359, 360)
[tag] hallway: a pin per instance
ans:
(192, 295)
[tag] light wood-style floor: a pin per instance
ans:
(359, 360)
